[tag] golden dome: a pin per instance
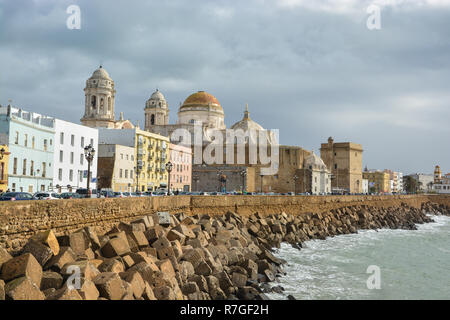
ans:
(202, 98)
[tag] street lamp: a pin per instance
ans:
(262, 176)
(37, 180)
(295, 184)
(243, 174)
(196, 179)
(89, 153)
(2, 153)
(222, 181)
(169, 167)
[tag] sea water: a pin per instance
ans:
(407, 264)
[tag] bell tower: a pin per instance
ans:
(99, 100)
(437, 175)
(156, 110)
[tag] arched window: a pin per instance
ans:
(93, 101)
(109, 104)
(152, 119)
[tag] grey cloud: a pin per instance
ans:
(310, 73)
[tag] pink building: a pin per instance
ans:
(181, 158)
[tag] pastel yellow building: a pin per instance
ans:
(379, 181)
(4, 160)
(151, 153)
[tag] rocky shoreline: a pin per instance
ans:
(200, 257)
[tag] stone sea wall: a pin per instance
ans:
(22, 219)
(183, 256)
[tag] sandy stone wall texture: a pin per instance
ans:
(20, 220)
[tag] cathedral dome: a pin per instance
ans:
(157, 100)
(101, 73)
(201, 98)
(202, 107)
(157, 95)
(246, 123)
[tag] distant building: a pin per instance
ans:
(181, 175)
(378, 181)
(441, 183)
(116, 167)
(365, 186)
(151, 155)
(70, 165)
(396, 181)
(314, 177)
(344, 159)
(99, 103)
(423, 182)
(30, 138)
(4, 160)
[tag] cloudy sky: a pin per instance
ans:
(309, 68)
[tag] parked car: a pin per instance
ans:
(70, 195)
(105, 194)
(85, 193)
(118, 194)
(46, 196)
(16, 196)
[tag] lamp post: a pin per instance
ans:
(222, 181)
(243, 174)
(37, 180)
(169, 167)
(196, 179)
(2, 153)
(89, 153)
(262, 176)
(295, 184)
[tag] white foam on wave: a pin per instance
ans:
(335, 268)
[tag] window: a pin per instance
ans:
(45, 144)
(15, 166)
(60, 172)
(81, 159)
(70, 175)
(32, 142)
(61, 156)
(13, 187)
(72, 140)
(24, 169)
(335, 165)
(121, 156)
(44, 169)
(61, 138)
(126, 174)
(26, 140)
(120, 173)
(32, 168)
(92, 142)
(82, 142)
(16, 140)
(71, 158)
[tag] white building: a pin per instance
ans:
(441, 182)
(365, 186)
(320, 176)
(70, 165)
